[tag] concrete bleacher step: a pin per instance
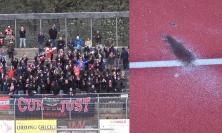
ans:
(29, 52)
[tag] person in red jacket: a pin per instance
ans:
(11, 73)
(49, 51)
(8, 32)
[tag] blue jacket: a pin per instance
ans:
(78, 43)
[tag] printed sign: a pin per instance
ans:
(116, 125)
(4, 102)
(36, 126)
(7, 126)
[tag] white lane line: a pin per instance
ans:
(174, 63)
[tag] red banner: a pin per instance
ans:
(4, 102)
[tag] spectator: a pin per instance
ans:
(49, 51)
(71, 72)
(98, 37)
(8, 32)
(22, 34)
(11, 49)
(41, 41)
(81, 63)
(78, 43)
(60, 44)
(125, 58)
(11, 73)
(88, 43)
(1, 39)
(11, 88)
(53, 35)
(15, 62)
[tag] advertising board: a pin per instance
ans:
(117, 125)
(36, 126)
(7, 126)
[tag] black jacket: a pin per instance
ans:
(22, 34)
(53, 33)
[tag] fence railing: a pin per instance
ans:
(112, 25)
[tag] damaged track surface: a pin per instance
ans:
(176, 99)
(179, 50)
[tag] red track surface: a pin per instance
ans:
(176, 99)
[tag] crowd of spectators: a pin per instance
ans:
(59, 70)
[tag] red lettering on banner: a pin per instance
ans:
(39, 105)
(86, 102)
(66, 105)
(78, 104)
(69, 105)
(31, 102)
(63, 102)
(20, 100)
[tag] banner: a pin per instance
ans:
(36, 126)
(77, 123)
(4, 102)
(54, 107)
(117, 125)
(7, 126)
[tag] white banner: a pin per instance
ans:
(117, 125)
(7, 126)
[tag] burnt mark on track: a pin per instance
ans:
(173, 24)
(182, 53)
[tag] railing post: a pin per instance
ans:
(98, 113)
(14, 113)
(66, 32)
(117, 32)
(42, 108)
(40, 25)
(91, 29)
(126, 108)
(70, 112)
(15, 33)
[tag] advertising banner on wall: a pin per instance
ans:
(36, 126)
(117, 125)
(4, 102)
(77, 123)
(54, 107)
(7, 126)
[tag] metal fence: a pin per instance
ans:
(112, 25)
(77, 112)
